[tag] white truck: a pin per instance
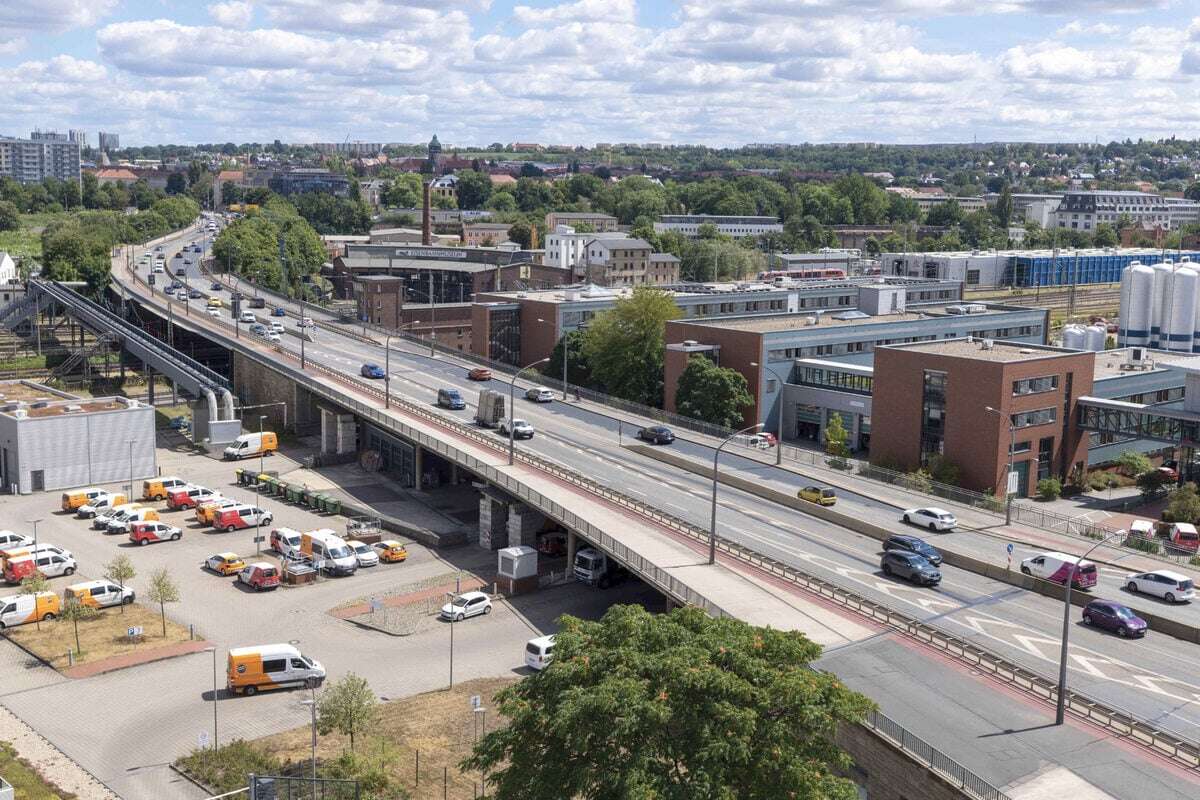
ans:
(596, 569)
(490, 411)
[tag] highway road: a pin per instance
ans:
(1154, 678)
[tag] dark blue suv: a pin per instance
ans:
(913, 544)
(372, 371)
(450, 398)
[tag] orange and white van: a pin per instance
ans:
(159, 488)
(241, 516)
(270, 666)
(98, 594)
(207, 511)
(19, 609)
(73, 499)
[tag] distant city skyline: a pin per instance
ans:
(715, 72)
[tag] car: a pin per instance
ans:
(365, 555)
(159, 269)
(936, 519)
(391, 551)
(247, 316)
(225, 563)
(215, 287)
(480, 374)
(656, 434)
(371, 371)
(195, 294)
(451, 399)
(276, 326)
(259, 576)
(271, 335)
(143, 533)
(913, 544)
(278, 312)
(181, 271)
(213, 311)
(521, 429)
(1114, 617)
(1168, 473)
(818, 495)
(467, 604)
(258, 329)
(306, 322)
(553, 544)
(1170, 586)
(539, 394)
(910, 566)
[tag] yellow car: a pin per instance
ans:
(225, 563)
(815, 494)
(391, 551)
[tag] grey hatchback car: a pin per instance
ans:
(911, 567)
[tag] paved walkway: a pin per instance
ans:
(411, 598)
(133, 659)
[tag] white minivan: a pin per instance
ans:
(538, 652)
(1055, 567)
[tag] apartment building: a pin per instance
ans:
(737, 227)
(1083, 211)
(42, 155)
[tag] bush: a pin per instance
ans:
(226, 769)
(1049, 488)
(917, 481)
(1153, 484)
(1184, 504)
(1143, 544)
(992, 503)
(1133, 463)
(1194, 561)
(943, 471)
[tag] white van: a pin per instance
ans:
(251, 444)
(9, 539)
(101, 520)
(1055, 567)
(286, 542)
(538, 652)
(123, 522)
(330, 550)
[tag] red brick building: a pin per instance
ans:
(937, 396)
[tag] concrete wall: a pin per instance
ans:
(254, 384)
(887, 773)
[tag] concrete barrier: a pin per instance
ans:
(997, 572)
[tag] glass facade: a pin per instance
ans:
(826, 378)
(1069, 268)
(1045, 457)
(933, 415)
(504, 335)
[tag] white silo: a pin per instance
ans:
(1135, 310)
(1181, 326)
(1159, 309)
(1074, 337)
(1095, 337)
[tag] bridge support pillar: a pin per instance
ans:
(339, 433)
(493, 520)
(572, 546)
(149, 383)
(418, 468)
(524, 524)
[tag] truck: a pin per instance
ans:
(597, 569)
(1179, 535)
(490, 410)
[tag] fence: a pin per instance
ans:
(931, 757)
(294, 787)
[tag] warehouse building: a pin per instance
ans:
(1026, 268)
(54, 440)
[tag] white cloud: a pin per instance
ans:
(12, 46)
(1095, 29)
(52, 15)
(232, 14)
(363, 16)
(581, 11)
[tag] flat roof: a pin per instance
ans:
(1000, 350)
(775, 323)
(59, 407)
(1063, 253)
(1112, 363)
(29, 391)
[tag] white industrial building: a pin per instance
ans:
(1085, 210)
(1159, 306)
(737, 227)
(567, 248)
(1024, 268)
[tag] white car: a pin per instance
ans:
(275, 325)
(98, 504)
(521, 429)
(247, 317)
(9, 540)
(53, 565)
(213, 311)
(539, 394)
(467, 604)
(305, 322)
(363, 552)
(1170, 586)
(272, 336)
(538, 652)
(936, 519)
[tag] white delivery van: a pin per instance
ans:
(251, 444)
(330, 550)
(538, 652)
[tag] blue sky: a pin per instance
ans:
(720, 72)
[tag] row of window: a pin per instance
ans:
(1047, 383)
(1027, 419)
(842, 348)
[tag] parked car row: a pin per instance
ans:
(21, 609)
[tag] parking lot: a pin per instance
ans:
(125, 726)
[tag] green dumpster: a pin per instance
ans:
(280, 488)
(293, 494)
(241, 476)
(264, 480)
(333, 505)
(316, 501)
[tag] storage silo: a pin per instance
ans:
(1074, 337)
(1095, 337)
(1158, 304)
(1135, 310)
(1181, 325)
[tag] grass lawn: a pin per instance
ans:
(23, 362)
(438, 724)
(29, 785)
(99, 638)
(164, 414)
(27, 240)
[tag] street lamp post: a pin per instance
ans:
(1012, 445)
(1060, 709)
(312, 704)
(34, 523)
(258, 490)
(450, 597)
(512, 388)
(432, 312)
(387, 370)
(712, 528)
(779, 425)
(129, 494)
(213, 650)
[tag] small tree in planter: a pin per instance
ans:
(35, 583)
(120, 570)
(1049, 488)
(74, 612)
(162, 591)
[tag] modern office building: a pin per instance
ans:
(525, 326)
(1084, 211)
(599, 223)
(53, 440)
(737, 227)
(1025, 268)
(301, 180)
(109, 142)
(43, 155)
(767, 349)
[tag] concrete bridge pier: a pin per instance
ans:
(493, 519)
(339, 433)
(524, 524)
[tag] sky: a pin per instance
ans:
(716, 72)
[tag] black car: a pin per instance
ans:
(195, 294)
(216, 287)
(656, 434)
(910, 566)
(181, 271)
(913, 544)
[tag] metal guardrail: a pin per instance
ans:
(1118, 721)
(931, 757)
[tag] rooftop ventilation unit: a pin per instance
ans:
(72, 409)
(988, 344)
(956, 309)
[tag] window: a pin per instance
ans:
(275, 665)
(933, 415)
(1035, 385)
(1025, 419)
(1045, 454)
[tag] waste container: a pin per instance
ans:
(241, 476)
(293, 494)
(280, 488)
(316, 501)
(333, 505)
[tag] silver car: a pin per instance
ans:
(1170, 586)
(935, 519)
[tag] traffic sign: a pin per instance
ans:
(376, 604)
(134, 631)
(260, 538)
(476, 701)
(202, 739)
(1010, 548)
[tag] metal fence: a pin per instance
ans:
(930, 756)
(294, 787)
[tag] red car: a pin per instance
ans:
(480, 374)
(259, 576)
(553, 544)
(143, 533)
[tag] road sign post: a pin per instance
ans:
(1010, 552)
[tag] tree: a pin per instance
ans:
(1105, 236)
(75, 612)
(473, 189)
(1152, 483)
(348, 706)
(120, 571)
(10, 216)
(1004, 207)
(1133, 463)
(163, 590)
(501, 201)
(624, 345)
(578, 372)
(947, 212)
(521, 233)
(35, 583)
(176, 183)
(677, 705)
(836, 436)
(1183, 504)
(717, 395)
(869, 202)
(87, 192)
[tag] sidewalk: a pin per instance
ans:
(133, 659)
